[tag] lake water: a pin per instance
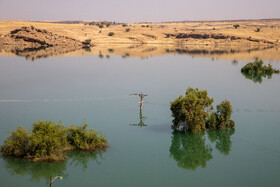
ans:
(143, 149)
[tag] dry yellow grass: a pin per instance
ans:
(155, 33)
(156, 42)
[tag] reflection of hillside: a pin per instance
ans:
(190, 150)
(146, 51)
(44, 170)
(40, 52)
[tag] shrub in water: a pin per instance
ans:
(47, 141)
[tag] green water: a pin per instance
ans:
(143, 149)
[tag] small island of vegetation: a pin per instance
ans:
(48, 141)
(256, 71)
(194, 112)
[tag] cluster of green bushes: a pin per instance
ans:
(194, 112)
(256, 71)
(48, 141)
(258, 67)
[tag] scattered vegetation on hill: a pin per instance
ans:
(236, 26)
(111, 34)
(87, 42)
(256, 71)
(194, 112)
(48, 141)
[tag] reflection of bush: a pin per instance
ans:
(222, 139)
(45, 170)
(257, 77)
(189, 150)
(36, 170)
(82, 158)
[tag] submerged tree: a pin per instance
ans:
(221, 118)
(47, 141)
(194, 112)
(256, 71)
(190, 111)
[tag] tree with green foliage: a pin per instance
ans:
(256, 71)
(47, 141)
(190, 111)
(236, 26)
(194, 112)
(221, 118)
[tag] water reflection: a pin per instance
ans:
(222, 139)
(257, 77)
(141, 121)
(36, 170)
(146, 50)
(44, 170)
(190, 150)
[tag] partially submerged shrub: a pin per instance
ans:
(221, 118)
(256, 71)
(190, 111)
(194, 112)
(81, 138)
(47, 141)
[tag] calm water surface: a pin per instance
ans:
(143, 149)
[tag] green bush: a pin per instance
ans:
(221, 118)
(124, 25)
(236, 26)
(256, 71)
(258, 30)
(81, 138)
(111, 34)
(190, 111)
(127, 30)
(47, 141)
(86, 42)
(194, 112)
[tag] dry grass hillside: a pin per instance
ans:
(215, 39)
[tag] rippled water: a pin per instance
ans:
(143, 149)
